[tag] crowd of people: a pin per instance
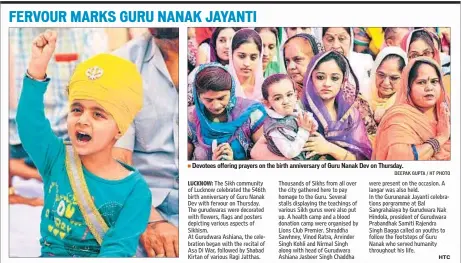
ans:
(318, 93)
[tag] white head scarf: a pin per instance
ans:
(373, 98)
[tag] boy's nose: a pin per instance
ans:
(83, 119)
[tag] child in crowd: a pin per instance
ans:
(95, 206)
(288, 128)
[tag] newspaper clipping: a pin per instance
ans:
(295, 138)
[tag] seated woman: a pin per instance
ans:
(221, 126)
(417, 127)
(245, 64)
(419, 43)
(217, 51)
(330, 95)
(298, 51)
(341, 39)
(385, 79)
(272, 61)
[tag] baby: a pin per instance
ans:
(288, 127)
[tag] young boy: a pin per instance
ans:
(288, 128)
(94, 205)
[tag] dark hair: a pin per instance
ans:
(271, 29)
(246, 36)
(214, 38)
(272, 79)
(214, 79)
(342, 64)
(401, 61)
(424, 36)
(165, 32)
(414, 72)
(325, 29)
(437, 40)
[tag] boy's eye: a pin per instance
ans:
(99, 115)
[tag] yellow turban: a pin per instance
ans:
(111, 81)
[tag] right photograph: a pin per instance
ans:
(319, 93)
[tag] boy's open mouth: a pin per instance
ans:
(83, 137)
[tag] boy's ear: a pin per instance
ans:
(118, 136)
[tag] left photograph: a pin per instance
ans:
(93, 142)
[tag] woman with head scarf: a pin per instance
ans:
(272, 61)
(330, 94)
(217, 50)
(298, 51)
(245, 64)
(420, 43)
(385, 79)
(417, 127)
(221, 125)
(341, 39)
